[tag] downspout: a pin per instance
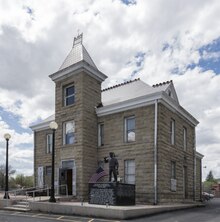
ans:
(35, 169)
(194, 181)
(155, 152)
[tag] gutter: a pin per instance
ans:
(155, 151)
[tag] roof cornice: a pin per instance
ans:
(76, 68)
(41, 126)
(144, 101)
(128, 104)
(199, 155)
(173, 105)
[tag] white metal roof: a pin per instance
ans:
(78, 53)
(129, 90)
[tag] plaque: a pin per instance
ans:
(112, 194)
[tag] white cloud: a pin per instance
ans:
(170, 33)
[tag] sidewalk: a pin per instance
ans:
(102, 211)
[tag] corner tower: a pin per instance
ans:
(77, 93)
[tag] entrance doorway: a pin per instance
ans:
(66, 178)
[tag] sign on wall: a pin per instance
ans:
(40, 177)
(173, 185)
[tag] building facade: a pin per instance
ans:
(152, 136)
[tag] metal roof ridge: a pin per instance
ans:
(163, 83)
(121, 84)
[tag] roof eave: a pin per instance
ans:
(41, 126)
(144, 101)
(175, 105)
(199, 155)
(75, 68)
(128, 104)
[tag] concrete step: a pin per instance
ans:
(22, 203)
(14, 208)
(21, 206)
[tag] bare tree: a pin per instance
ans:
(2, 174)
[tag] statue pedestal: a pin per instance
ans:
(116, 194)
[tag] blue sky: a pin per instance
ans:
(153, 40)
(212, 62)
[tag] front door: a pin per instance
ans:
(66, 179)
(69, 181)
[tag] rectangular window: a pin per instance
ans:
(48, 170)
(184, 138)
(49, 143)
(100, 134)
(69, 132)
(130, 129)
(130, 171)
(69, 95)
(172, 131)
(173, 170)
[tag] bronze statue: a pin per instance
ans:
(113, 166)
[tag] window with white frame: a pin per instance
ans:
(69, 95)
(69, 132)
(173, 170)
(130, 171)
(184, 138)
(49, 143)
(130, 129)
(101, 134)
(172, 131)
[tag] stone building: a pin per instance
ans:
(152, 136)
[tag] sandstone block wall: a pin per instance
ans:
(141, 150)
(168, 152)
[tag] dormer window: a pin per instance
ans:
(69, 95)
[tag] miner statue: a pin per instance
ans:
(113, 166)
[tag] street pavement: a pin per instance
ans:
(209, 213)
(9, 216)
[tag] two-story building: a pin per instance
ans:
(152, 135)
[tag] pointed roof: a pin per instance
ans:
(78, 60)
(167, 87)
(78, 53)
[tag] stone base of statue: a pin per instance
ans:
(116, 194)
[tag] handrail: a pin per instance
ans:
(15, 193)
(27, 191)
(45, 189)
(20, 190)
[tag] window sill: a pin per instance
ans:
(127, 142)
(68, 145)
(69, 106)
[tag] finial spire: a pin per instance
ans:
(78, 39)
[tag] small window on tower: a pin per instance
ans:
(69, 132)
(69, 95)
